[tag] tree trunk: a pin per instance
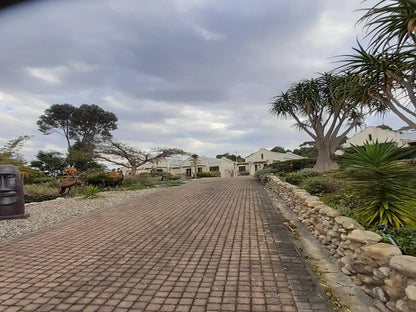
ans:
(133, 170)
(324, 161)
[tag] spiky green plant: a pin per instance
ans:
(380, 177)
(91, 191)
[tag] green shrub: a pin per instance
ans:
(405, 237)
(345, 203)
(318, 185)
(138, 178)
(294, 178)
(211, 174)
(40, 192)
(99, 179)
(259, 174)
(91, 191)
(171, 177)
(298, 164)
(308, 172)
(380, 178)
(29, 198)
(34, 176)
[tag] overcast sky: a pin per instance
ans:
(191, 74)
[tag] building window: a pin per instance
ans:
(370, 137)
(255, 167)
(215, 168)
(199, 169)
(242, 168)
(188, 172)
(262, 156)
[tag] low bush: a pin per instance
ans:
(171, 177)
(284, 166)
(211, 174)
(99, 179)
(138, 178)
(40, 192)
(294, 178)
(405, 237)
(31, 198)
(318, 185)
(263, 173)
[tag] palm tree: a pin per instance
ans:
(326, 109)
(391, 24)
(387, 68)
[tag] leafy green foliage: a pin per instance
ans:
(321, 107)
(50, 163)
(380, 178)
(171, 177)
(9, 153)
(231, 157)
(298, 164)
(278, 149)
(40, 192)
(405, 237)
(318, 185)
(100, 179)
(211, 174)
(91, 191)
(33, 176)
(294, 178)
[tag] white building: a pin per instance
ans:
(263, 157)
(191, 166)
(373, 134)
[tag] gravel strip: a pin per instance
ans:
(47, 213)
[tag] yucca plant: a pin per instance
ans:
(91, 191)
(380, 177)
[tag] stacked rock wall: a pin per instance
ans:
(379, 269)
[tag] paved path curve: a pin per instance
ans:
(210, 245)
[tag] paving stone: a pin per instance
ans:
(209, 245)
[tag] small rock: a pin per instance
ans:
(364, 237)
(380, 294)
(411, 292)
(381, 251)
(348, 223)
(402, 306)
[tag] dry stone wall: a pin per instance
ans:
(379, 269)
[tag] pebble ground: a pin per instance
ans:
(209, 245)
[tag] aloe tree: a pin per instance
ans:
(379, 176)
(387, 67)
(326, 109)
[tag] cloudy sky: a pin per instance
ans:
(192, 74)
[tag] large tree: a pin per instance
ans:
(91, 122)
(326, 108)
(50, 163)
(85, 125)
(58, 119)
(131, 157)
(387, 67)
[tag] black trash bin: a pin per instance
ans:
(12, 197)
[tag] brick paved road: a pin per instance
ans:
(210, 245)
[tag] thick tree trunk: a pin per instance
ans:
(324, 161)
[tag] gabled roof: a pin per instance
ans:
(277, 155)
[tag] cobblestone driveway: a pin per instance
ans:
(210, 245)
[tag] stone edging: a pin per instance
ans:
(379, 269)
